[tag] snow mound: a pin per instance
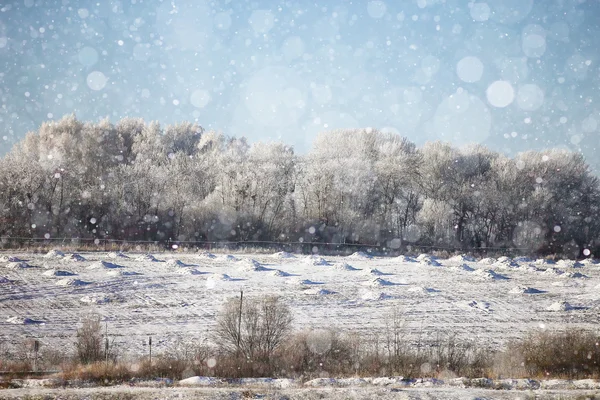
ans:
(462, 258)
(490, 274)
(319, 292)
(430, 261)
(422, 290)
(360, 255)
(10, 259)
(253, 265)
(315, 260)
(104, 265)
(525, 290)
(576, 275)
(221, 277)
(560, 306)
(379, 282)
(405, 259)
(305, 282)
(95, 299)
(507, 264)
(424, 256)
(75, 257)
(554, 271)
(71, 282)
(374, 272)
(146, 257)
(590, 261)
(345, 267)
(283, 255)
(229, 257)
(544, 261)
(279, 272)
(58, 272)
(376, 296)
(503, 259)
(488, 261)
(523, 259)
(117, 254)
(119, 272)
(206, 254)
(189, 271)
(462, 267)
(18, 265)
(480, 305)
(200, 381)
(23, 321)
(570, 264)
(175, 263)
(54, 254)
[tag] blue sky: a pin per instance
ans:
(510, 74)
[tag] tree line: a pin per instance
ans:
(135, 180)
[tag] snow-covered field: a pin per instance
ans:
(176, 296)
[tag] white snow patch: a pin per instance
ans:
(189, 271)
(462, 258)
(251, 265)
(379, 282)
(146, 257)
(54, 254)
(104, 265)
(71, 282)
(18, 265)
(315, 260)
(117, 254)
(95, 299)
(405, 259)
(75, 257)
(283, 255)
(342, 266)
(229, 257)
(560, 306)
(488, 261)
(525, 290)
(360, 255)
(55, 272)
(431, 262)
(4, 258)
(374, 272)
(421, 290)
(23, 321)
(176, 263)
(462, 267)
(376, 296)
(319, 292)
(119, 272)
(279, 272)
(575, 275)
(553, 271)
(206, 254)
(200, 381)
(221, 277)
(490, 274)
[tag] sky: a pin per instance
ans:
(513, 75)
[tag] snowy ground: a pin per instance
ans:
(177, 296)
(352, 388)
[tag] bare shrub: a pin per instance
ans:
(572, 353)
(90, 346)
(98, 372)
(254, 329)
(321, 352)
